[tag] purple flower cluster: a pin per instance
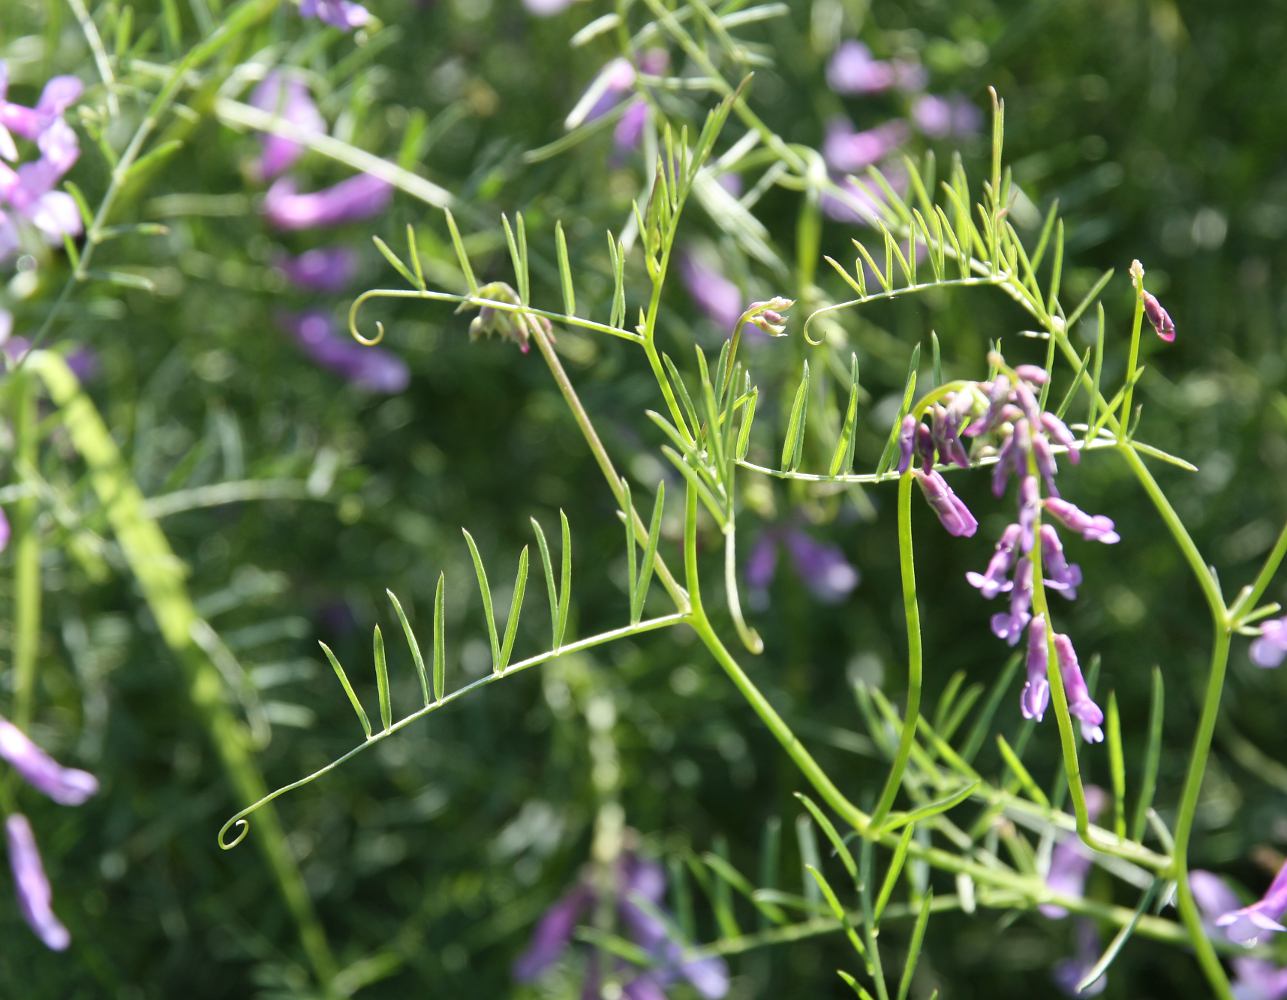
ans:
(822, 568)
(637, 894)
(1006, 419)
(320, 269)
(343, 14)
(27, 195)
(65, 785)
(854, 71)
(607, 90)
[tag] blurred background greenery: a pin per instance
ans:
(1160, 129)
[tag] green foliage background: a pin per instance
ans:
(1158, 126)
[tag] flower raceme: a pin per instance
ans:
(1002, 418)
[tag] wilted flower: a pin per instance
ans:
(319, 336)
(1249, 923)
(1270, 649)
(636, 881)
(1159, 317)
(822, 568)
(1071, 860)
(323, 269)
(358, 197)
(67, 786)
(515, 326)
(337, 13)
(949, 508)
(952, 117)
(768, 315)
(1069, 972)
(31, 885)
(286, 96)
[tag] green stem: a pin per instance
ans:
(911, 614)
(1128, 391)
(26, 555)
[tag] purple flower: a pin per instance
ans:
(4, 530)
(1270, 649)
(1029, 505)
(853, 70)
(35, 898)
(1257, 979)
(906, 442)
(947, 506)
(1093, 528)
(546, 8)
(946, 117)
(992, 581)
(82, 360)
(944, 427)
(286, 96)
(1159, 318)
(629, 128)
(1060, 575)
(639, 888)
(1036, 690)
(30, 123)
(1213, 896)
(370, 368)
(342, 14)
(324, 269)
(1058, 430)
(65, 785)
(716, 296)
(822, 568)
(1080, 705)
(1009, 626)
(1070, 863)
(848, 151)
(358, 197)
(1249, 923)
(1069, 972)
(614, 81)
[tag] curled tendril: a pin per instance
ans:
(243, 828)
(353, 329)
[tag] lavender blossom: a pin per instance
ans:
(343, 14)
(1070, 863)
(1029, 507)
(1249, 923)
(1270, 649)
(1069, 972)
(60, 93)
(853, 70)
(1257, 979)
(612, 83)
(1080, 705)
(992, 581)
(1093, 528)
(1213, 896)
(370, 368)
(287, 97)
(951, 117)
(1036, 690)
(1159, 318)
(637, 881)
(945, 431)
(629, 128)
(822, 568)
(1060, 576)
(906, 442)
(35, 898)
(849, 151)
(947, 506)
(358, 197)
(67, 786)
(323, 269)
(1057, 429)
(716, 296)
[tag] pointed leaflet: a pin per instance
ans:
(348, 689)
(382, 678)
(439, 638)
(486, 592)
(416, 655)
(793, 443)
(842, 459)
(515, 611)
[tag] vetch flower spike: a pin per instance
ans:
(67, 786)
(35, 898)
